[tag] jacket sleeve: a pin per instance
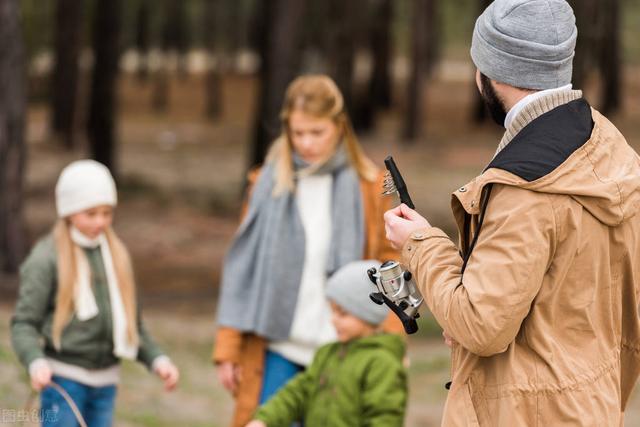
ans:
(289, 403)
(37, 282)
(384, 393)
(227, 346)
(484, 309)
(148, 350)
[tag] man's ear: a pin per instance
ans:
(478, 81)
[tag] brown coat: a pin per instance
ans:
(546, 313)
(248, 350)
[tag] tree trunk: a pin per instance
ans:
(381, 42)
(610, 58)
(364, 33)
(213, 79)
(280, 57)
(102, 105)
(479, 113)
(234, 26)
(175, 32)
(433, 37)
(142, 40)
(160, 93)
(414, 116)
(65, 73)
(342, 38)
(599, 47)
(586, 12)
(12, 145)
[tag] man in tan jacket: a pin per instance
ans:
(539, 300)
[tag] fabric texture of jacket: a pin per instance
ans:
(247, 350)
(358, 383)
(89, 343)
(541, 294)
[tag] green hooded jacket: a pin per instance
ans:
(358, 383)
(89, 343)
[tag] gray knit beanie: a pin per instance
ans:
(349, 287)
(528, 44)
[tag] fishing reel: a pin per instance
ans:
(398, 292)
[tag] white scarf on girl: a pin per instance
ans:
(84, 300)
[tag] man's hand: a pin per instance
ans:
(400, 222)
(256, 423)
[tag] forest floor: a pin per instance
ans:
(180, 189)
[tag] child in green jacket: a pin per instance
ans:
(77, 314)
(359, 380)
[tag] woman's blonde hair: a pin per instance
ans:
(318, 96)
(67, 270)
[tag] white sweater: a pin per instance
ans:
(312, 325)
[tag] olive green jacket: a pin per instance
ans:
(359, 383)
(88, 344)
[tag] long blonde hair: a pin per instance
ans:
(67, 270)
(319, 96)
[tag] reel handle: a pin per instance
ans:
(409, 323)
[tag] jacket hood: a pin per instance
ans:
(392, 343)
(571, 150)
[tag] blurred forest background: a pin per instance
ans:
(181, 97)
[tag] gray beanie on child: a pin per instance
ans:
(349, 287)
(528, 44)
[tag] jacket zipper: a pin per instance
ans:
(468, 249)
(483, 209)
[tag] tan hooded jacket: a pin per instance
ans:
(545, 311)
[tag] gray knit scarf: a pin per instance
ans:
(262, 270)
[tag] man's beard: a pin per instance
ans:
(491, 100)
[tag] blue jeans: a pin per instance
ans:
(277, 372)
(95, 403)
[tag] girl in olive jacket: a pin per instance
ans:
(359, 380)
(76, 314)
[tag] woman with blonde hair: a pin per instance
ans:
(313, 207)
(77, 315)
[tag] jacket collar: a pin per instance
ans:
(537, 150)
(543, 103)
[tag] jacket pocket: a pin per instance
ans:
(469, 408)
(459, 410)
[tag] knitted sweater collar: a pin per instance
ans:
(535, 109)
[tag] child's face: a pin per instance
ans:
(349, 326)
(93, 222)
(314, 139)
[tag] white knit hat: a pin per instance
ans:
(84, 184)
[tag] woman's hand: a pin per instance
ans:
(256, 423)
(167, 371)
(400, 222)
(228, 375)
(40, 373)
